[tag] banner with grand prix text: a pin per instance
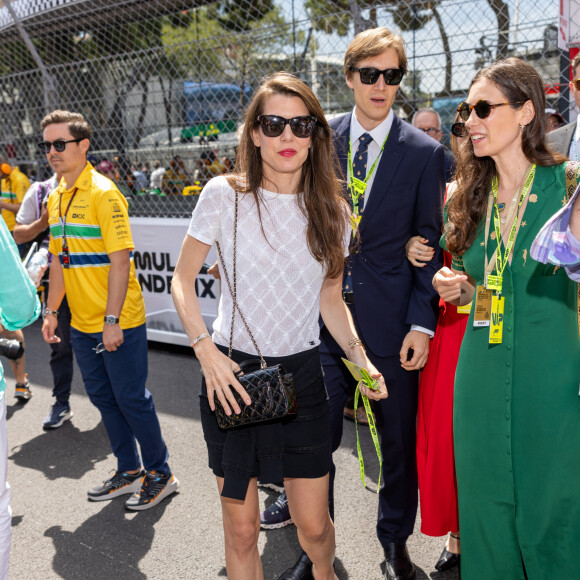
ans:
(157, 246)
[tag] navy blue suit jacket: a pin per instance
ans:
(390, 294)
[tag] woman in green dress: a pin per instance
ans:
(516, 409)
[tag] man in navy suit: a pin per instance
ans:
(393, 304)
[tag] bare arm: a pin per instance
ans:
(55, 296)
(338, 320)
(217, 368)
(13, 207)
(27, 232)
(118, 283)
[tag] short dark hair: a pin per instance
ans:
(77, 125)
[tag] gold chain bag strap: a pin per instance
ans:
(271, 389)
(572, 174)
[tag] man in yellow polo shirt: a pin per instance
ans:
(14, 185)
(92, 247)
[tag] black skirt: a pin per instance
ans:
(295, 446)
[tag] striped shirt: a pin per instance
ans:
(95, 225)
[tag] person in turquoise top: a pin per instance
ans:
(19, 306)
(516, 409)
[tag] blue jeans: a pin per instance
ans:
(115, 383)
(61, 356)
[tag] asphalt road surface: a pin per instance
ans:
(58, 533)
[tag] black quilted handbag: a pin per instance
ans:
(271, 389)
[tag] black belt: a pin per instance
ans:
(348, 297)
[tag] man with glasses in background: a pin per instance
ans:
(92, 247)
(566, 139)
(395, 176)
(429, 121)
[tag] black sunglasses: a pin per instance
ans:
(459, 130)
(370, 75)
(59, 145)
(482, 108)
(273, 125)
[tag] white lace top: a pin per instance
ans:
(278, 280)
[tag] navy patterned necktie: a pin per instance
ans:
(359, 170)
(359, 165)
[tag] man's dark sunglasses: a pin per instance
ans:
(370, 75)
(482, 108)
(459, 130)
(273, 125)
(59, 145)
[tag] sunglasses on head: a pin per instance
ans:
(274, 125)
(459, 130)
(482, 108)
(59, 145)
(370, 75)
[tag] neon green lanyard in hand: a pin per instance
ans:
(374, 435)
(500, 263)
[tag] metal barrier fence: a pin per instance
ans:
(167, 80)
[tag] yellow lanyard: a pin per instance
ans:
(495, 282)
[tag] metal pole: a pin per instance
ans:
(51, 96)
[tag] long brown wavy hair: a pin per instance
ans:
(519, 82)
(320, 195)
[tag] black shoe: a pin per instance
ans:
(447, 560)
(302, 570)
(398, 563)
(120, 484)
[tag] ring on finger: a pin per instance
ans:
(420, 252)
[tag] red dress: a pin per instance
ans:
(435, 460)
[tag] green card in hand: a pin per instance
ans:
(361, 374)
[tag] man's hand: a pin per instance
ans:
(419, 342)
(48, 329)
(112, 337)
(43, 219)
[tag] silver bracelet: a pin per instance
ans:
(49, 311)
(198, 338)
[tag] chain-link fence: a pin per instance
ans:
(165, 82)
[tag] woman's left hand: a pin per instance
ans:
(381, 392)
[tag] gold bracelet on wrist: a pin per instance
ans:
(354, 342)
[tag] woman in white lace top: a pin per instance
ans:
(292, 237)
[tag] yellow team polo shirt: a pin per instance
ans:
(14, 187)
(96, 224)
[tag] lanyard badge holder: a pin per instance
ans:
(362, 376)
(357, 187)
(65, 254)
(494, 283)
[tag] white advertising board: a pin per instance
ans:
(157, 245)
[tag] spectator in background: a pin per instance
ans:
(566, 139)
(175, 178)
(140, 181)
(429, 121)
(19, 307)
(553, 120)
(106, 168)
(157, 175)
(32, 226)
(14, 187)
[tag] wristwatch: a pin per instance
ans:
(111, 320)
